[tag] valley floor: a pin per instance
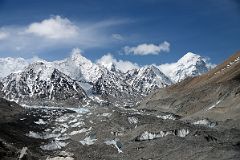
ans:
(114, 133)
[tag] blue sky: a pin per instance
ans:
(141, 31)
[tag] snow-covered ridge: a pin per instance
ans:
(80, 77)
(148, 78)
(79, 68)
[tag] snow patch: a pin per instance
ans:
(78, 124)
(106, 115)
(54, 145)
(72, 121)
(168, 116)
(116, 144)
(83, 130)
(133, 120)
(88, 141)
(40, 121)
(214, 105)
(60, 158)
(151, 135)
(23, 153)
(79, 110)
(42, 136)
(182, 132)
(205, 122)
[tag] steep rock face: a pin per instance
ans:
(131, 86)
(113, 87)
(44, 84)
(147, 79)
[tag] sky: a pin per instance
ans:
(137, 31)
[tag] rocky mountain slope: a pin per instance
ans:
(147, 79)
(213, 95)
(41, 84)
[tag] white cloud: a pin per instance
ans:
(3, 35)
(117, 37)
(55, 33)
(54, 28)
(167, 68)
(147, 49)
(108, 60)
(208, 63)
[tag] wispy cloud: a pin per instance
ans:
(147, 49)
(117, 37)
(3, 35)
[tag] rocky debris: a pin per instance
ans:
(106, 133)
(13, 143)
(9, 110)
(147, 79)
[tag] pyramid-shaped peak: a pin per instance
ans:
(189, 57)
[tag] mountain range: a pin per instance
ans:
(77, 79)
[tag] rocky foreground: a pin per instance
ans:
(113, 133)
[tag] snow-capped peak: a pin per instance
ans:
(189, 58)
(189, 65)
(78, 67)
(150, 68)
(77, 57)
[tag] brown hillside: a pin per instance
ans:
(219, 87)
